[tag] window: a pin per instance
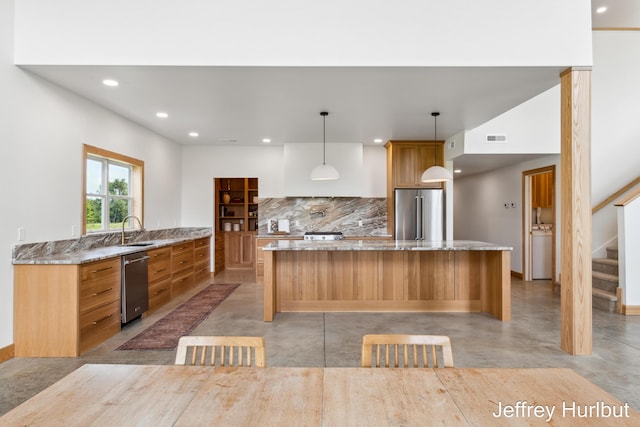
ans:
(112, 190)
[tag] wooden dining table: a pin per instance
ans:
(165, 395)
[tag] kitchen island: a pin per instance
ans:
(387, 276)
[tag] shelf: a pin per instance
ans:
(244, 190)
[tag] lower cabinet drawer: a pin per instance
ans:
(181, 283)
(95, 294)
(159, 293)
(98, 325)
(201, 271)
(159, 269)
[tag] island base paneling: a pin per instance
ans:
(387, 281)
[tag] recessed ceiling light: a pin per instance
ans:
(601, 9)
(110, 82)
(162, 115)
(194, 134)
(457, 171)
(266, 140)
(378, 140)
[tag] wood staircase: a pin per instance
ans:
(605, 281)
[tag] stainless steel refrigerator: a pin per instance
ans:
(420, 214)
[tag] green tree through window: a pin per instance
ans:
(112, 190)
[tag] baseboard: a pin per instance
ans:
(631, 310)
(516, 274)
(8, 352)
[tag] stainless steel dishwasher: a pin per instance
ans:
(135, 294)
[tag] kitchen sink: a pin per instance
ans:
(138, 244)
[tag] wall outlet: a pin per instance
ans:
(297, 223)
(20, 234)
(360, 223)
(74, 231)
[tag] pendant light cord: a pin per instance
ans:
(435, 115)
(324, 115)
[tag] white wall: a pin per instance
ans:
(531, 128)
(42, 129)
(479, 212)
(305, 32)
(202, 163)
(615, 130)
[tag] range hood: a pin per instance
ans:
(300, 158)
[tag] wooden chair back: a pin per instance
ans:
(405, 351)
(221, 351)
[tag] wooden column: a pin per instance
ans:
(575, 166)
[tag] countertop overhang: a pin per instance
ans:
(382, 245)
(100, 253)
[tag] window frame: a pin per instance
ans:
(137, 184)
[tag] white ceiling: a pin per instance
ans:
(243, 105)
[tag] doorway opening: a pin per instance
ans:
(539, 224)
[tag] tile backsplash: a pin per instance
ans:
(326, 214)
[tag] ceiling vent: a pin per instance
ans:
(496, 139)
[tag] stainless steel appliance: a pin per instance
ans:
(135, 294)
(323, 235)
(420, 214)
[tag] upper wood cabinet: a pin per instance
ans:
(542, 190)
(407, 160)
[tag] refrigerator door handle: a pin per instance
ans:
(418, 217)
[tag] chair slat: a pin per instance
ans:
(408, 345)
(226, 351)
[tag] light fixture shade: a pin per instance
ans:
(324, 173)
(436, 174)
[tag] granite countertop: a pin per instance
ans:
(301, 236)
(382, 245)
(100, 253)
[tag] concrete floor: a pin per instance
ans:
(531, 339)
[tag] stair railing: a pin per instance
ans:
(617, 194)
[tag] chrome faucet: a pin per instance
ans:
(124, 221)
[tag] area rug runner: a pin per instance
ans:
(165, 333)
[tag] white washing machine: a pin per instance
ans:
(541, 254)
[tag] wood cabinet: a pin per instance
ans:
(159, 271)
(542, 190)
(259, 257)
(201, 259)
(181, 267)
(239, 250)
(236, 222)
(406, 161)
(65, 310)
(99, 305)
(218, 252)
(236, 204)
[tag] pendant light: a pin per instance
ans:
(324, 172)
(435, 173)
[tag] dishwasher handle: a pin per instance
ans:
(131, 261)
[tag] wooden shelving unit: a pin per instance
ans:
(236, 213)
